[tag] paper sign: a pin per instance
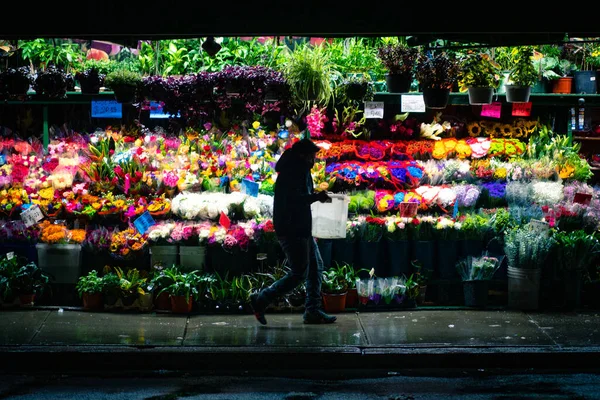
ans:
(144, 222)
(157, 111)
(408, 209)
(540, 226)
(455, 211)
(106, 109)
(10, 256)
(582, 198)
(250, 188)
(373, 109)
(493, 110)
(32, 216)
(224, 221)
(412, 103)
(521, 109)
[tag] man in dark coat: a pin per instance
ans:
(294, 193)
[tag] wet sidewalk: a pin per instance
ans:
(400, 339)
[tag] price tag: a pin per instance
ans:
(32, 215)
(541, 227)
(157, 111)
(2, 159)
(455, 211)
(144, 222)
(373, 109)
(10, 256)
(412, 103)
(493, 110)
(250, 188)
(224, 221)
(582, 198)
(521, 109)
(106, 109)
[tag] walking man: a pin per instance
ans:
(292, 218)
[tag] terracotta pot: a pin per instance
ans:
(93, 301)
(334, 303)
(179, 305)
(26, 299)
(352, 298)
(562, 85)
(163, 302)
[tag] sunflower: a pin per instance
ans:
(474, 129)
(531, 126)
(518, 132)
(496, 130)
(507, 130)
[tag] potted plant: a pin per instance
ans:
(310, 74)
(15, 82)
(90, 288)
(8, 270)
(575, 252)
(416, 284)
(334, 289)
(183, 291)
(124, 84)
(526, 249)
(356, 88)
(51, 83)
(30, 281)
(146, 299)
(476, 273)
(161, 279)
(436, 75)
(351, 276)
(400, 61)
(562, 83)
(111, 285)
(90, 81)
(130, 286)
(481, 76)
(522, 77)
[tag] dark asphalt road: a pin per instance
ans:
(414, 385)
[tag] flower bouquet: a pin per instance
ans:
(159, 207)
(170, 180)
(127, 244)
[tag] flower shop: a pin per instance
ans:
(168, 204)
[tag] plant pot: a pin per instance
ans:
(352, 298)
(163, 302)
(124, 94)
(92, 301)
(480, 95)
(424, 252)
(517, 94)
(585, 82)
(334, 303)
(369, 257)
(476, 293)
(89, 86)
(523, 288)
(435, 98)
(325, 249)
(111, 299)
(398, 83)
(562, 85)
(399, 257)
(343, 251)
(26, 299)
(181, 305)
(447, 256)
(541, 86)
(129, 299)
(572, 285)
(192, 258)
(356, 91)
(145, 301)
(165, 256)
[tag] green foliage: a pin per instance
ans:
(8, 272)
(30, 279)
(575, 250)
(91, 283)
(111, 283)
(122, 77)
(478, 268)
(130, 282)
(523, 72)
(437, 72)
(355, 55)
(527, 247)
(334, 280)
(398, 58)
(188, 284)
(478, 70)
(103, 67)
(42, 52)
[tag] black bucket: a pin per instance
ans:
(585, 82)
(398, 83)
(436, 99)
(480, 95)
(476, 293)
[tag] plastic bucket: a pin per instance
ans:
(398, 83)
(517, 94)
(585, 82)
(436, 99)
(329, 219)
(192, 258)
(480, 95)
(524, 288)
(476, 293)
(164, 255)
(61, 261)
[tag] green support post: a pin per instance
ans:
(46, 136)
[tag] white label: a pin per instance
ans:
(10, 256)
(32, 216)
(412, 103)
(373, 109)
(592, 78)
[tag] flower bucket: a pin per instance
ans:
(480, 95)
(369, 257)
(162, 301)
(447, 256)
(166, 256)
(181, 305)
(93, 301)
(562, 85)
(471, 247)
(61, 261)
(329, 219)
(334, 303)
(572, 286)
(436, 99)
(192, 258)
(523, 288)
(585, 82)
(399, 257)
(424, 252)
(398, 83)
(476, 293)
(343, 251)
(517, 94)
(234, 261)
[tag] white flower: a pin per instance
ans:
(288, 123)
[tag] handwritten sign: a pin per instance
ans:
(32, 216)
(106, 109)
(521, 109)
(373, 109)
(412, 103)
(224, 221)
(250, 188)
(144, 222)
(10, 256)
(493, 110)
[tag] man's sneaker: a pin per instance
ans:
(259, 312)
(318, 317)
